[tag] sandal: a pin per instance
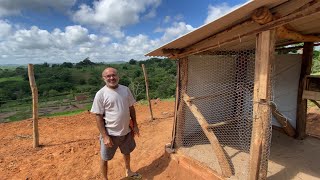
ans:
(135, 176)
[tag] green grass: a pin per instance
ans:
(65, 113)
(15, 78)
(145, 102)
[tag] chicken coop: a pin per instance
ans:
(237, 79)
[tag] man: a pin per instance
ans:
(113, 107)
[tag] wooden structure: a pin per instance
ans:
(266, 26)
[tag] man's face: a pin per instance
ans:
(111, 78)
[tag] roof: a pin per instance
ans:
(238, 25)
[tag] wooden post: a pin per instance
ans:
(261, 109)
(183, 84)
(34, 91)
(302, 103)
(176, 105)
(147, 89)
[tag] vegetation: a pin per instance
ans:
(58, 84)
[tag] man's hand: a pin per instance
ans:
(136, 131)
(108, 141)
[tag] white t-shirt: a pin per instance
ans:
(114, 103)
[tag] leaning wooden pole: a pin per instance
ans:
(147, 89)
(34, 91)
(215, 144)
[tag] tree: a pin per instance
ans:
(132, 62)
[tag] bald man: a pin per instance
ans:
(113, 107)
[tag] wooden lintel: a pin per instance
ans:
(286, 125)
(215, 144)
(246, 28)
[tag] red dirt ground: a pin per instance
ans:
(70, 148)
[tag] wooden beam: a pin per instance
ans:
(220, 124)
(35, 109)
(315, 102)
(215, 144)
(261, 109)
(246, 28)
(312, 95)
(302, 103)
(171, 51)
(207, 97)
(286, 125)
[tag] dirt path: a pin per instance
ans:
(70, 148)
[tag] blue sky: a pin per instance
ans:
(57, 31)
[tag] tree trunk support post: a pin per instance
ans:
(215, 144)
(261, 108)
(34, 91)
(147, 90)
(302, 103)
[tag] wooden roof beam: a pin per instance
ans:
(263, 16)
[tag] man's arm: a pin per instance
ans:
(102, 129)
(134, 120)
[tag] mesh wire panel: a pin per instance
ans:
(222, 89)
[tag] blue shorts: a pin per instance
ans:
(126, 144)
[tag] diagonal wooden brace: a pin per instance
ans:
(215, 144)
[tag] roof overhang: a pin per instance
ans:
(301, 15)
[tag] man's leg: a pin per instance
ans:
(126, 158)
(104, 169)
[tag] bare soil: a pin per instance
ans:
(70, 147)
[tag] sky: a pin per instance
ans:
(57, 31)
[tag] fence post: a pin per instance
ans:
(147, 89)
(34, 91)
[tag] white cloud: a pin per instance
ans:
(178, 29)
(74, 43)
(5, 29)
(112, 15)
(217, 11)
(14, 7)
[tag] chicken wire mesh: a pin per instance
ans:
(221, 86)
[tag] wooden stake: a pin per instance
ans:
(147, 89)
(34, 91)
(302, 103)
(215, 144)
